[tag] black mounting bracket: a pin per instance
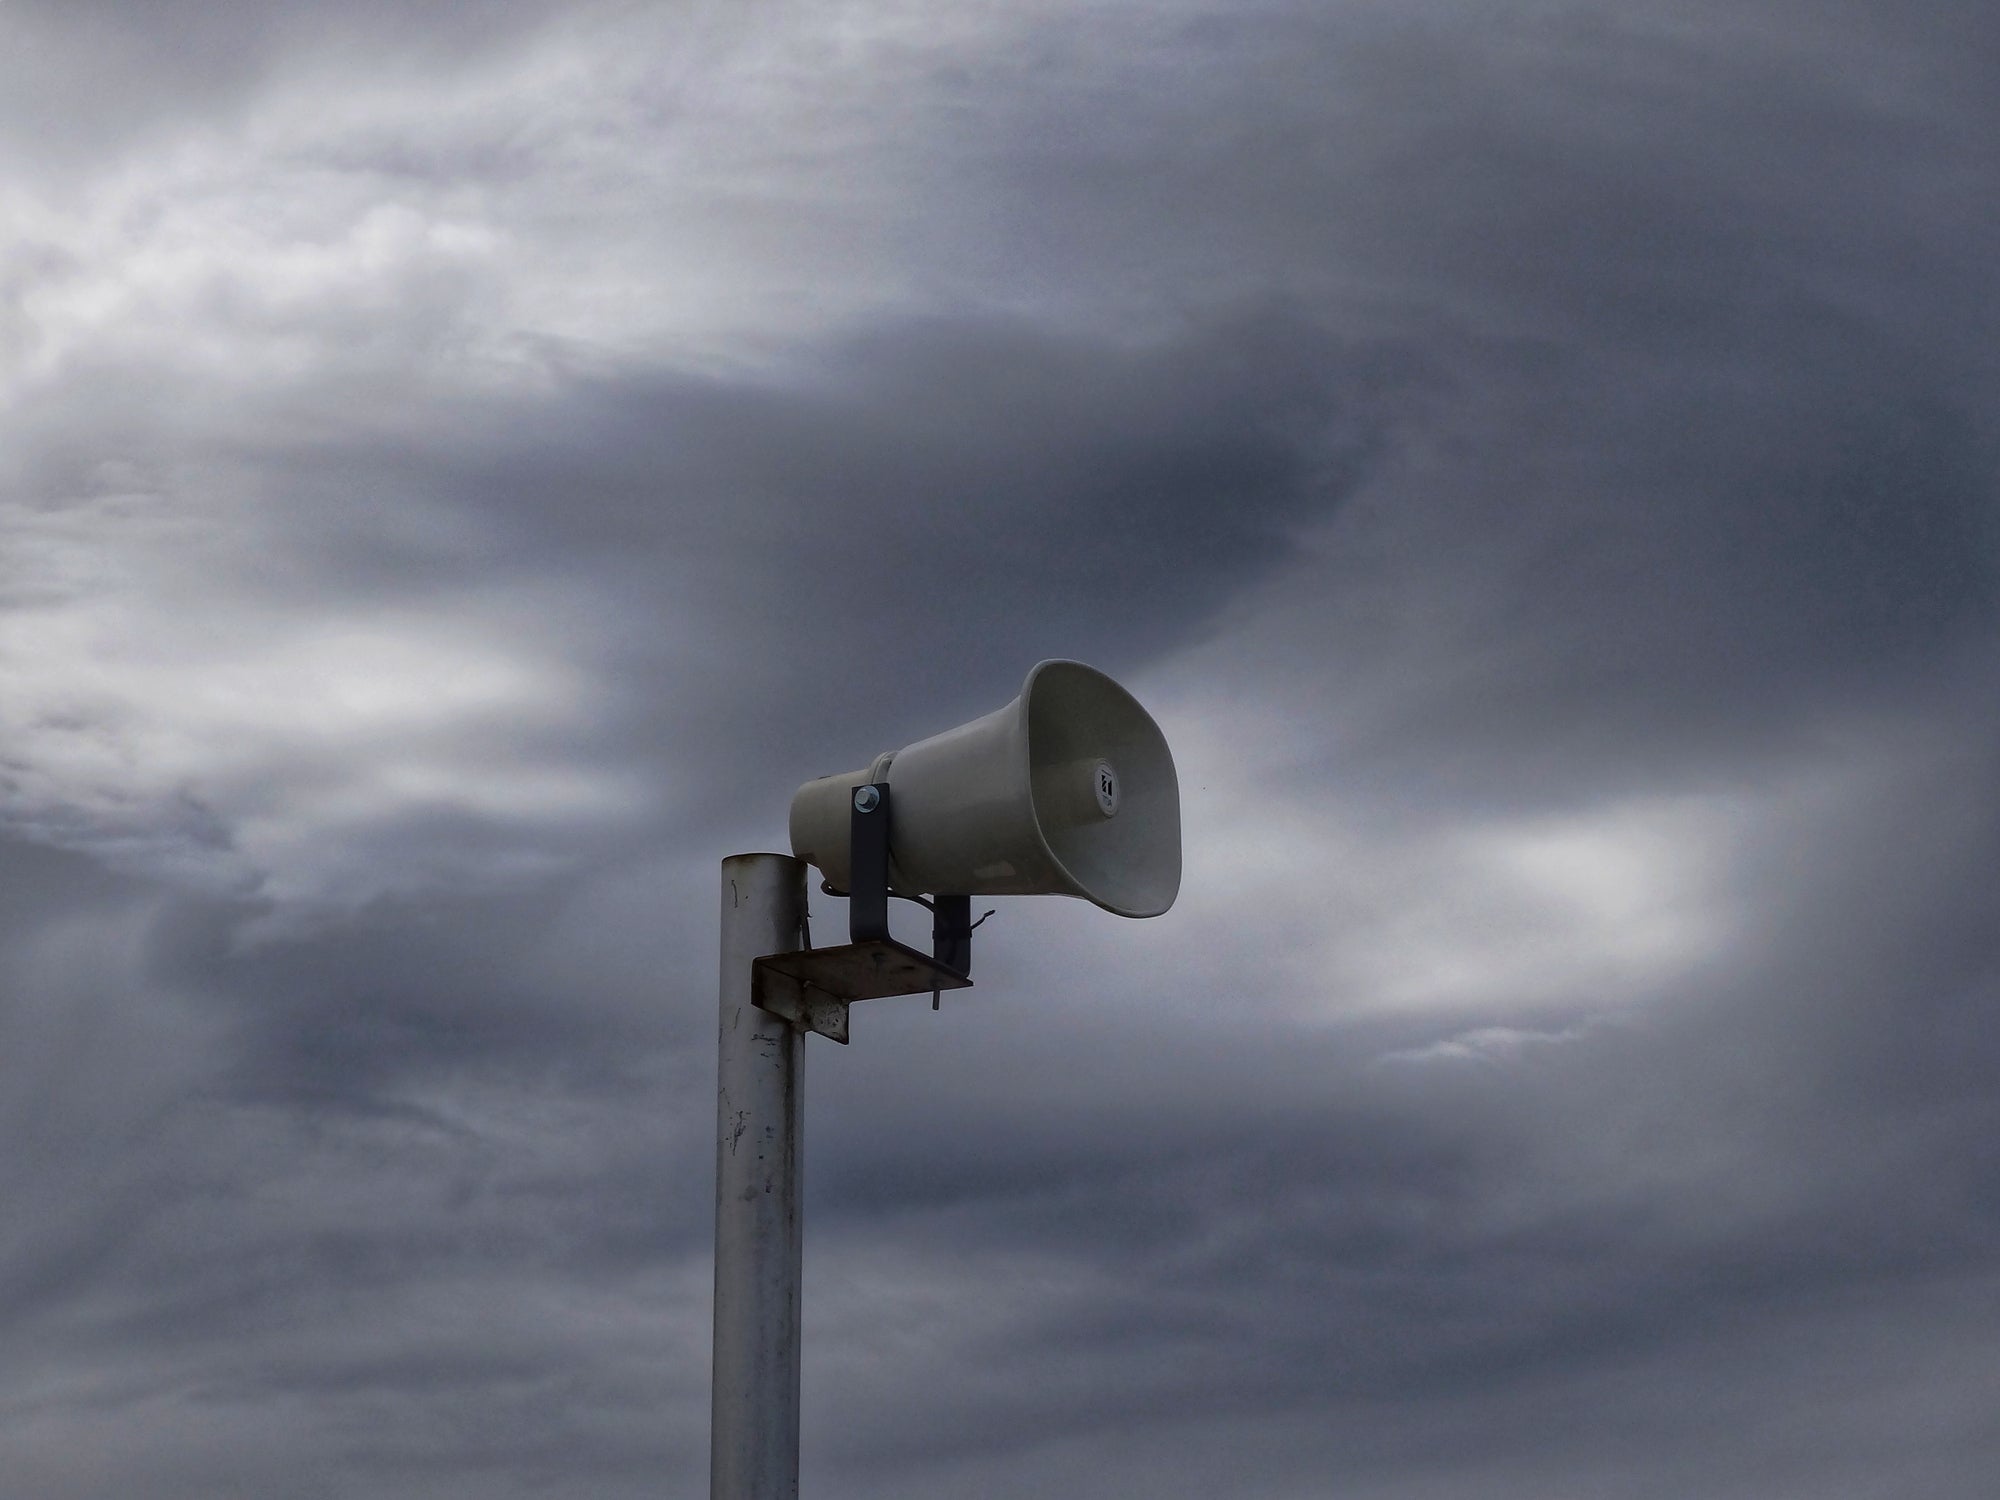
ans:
(868, 864)
(813, 987)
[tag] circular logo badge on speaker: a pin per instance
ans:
(1106, 781)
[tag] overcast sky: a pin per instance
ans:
(462, 467)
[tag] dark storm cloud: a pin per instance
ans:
(1525, 413)
(1738, 570)
(1701, 311)
(916, 514)
(1716, 461)
(218, 1149)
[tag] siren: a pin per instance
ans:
(1069, 790)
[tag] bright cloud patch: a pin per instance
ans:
(1461, 911)
(268, 746)
(1613, 899)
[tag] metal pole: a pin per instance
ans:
(754, 1417)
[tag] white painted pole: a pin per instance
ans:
(754, 1416)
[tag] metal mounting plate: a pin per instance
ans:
(813, 987)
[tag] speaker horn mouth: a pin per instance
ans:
(1105, 796)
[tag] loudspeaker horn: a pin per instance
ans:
(1069, 790)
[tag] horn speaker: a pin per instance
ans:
(1069, 790)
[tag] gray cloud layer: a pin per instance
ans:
(1539, 464)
